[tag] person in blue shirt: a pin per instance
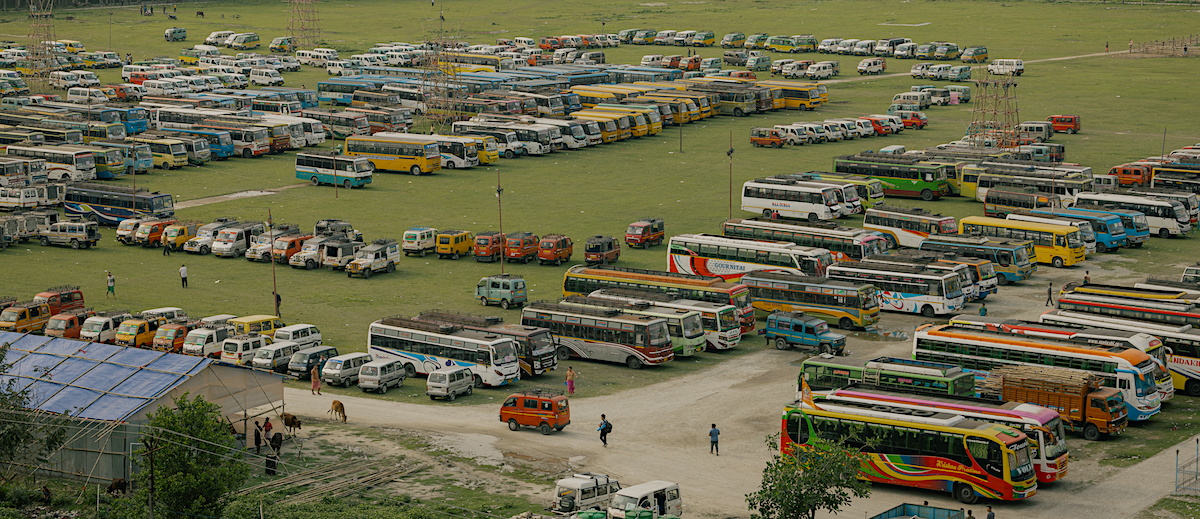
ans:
(713, 435)
(983, 309)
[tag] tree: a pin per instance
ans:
(823, 475)
(196, 459)
(26, 437)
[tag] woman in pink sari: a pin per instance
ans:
(316, 380)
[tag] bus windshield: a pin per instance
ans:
(873, 245)
(364, 166)
(541, 342)
(691, 326)
(948, 227)
(85, 161)
(1018, 461)
(727, 319)
(1089, 235)
(504, 354)
(868, 300)
(658, 333)
(1074, 240)
(953, 287)
(1144, 385)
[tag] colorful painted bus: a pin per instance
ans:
(416, 154)
(730, 258)
(843, 243)
(849, 305)
(907, 226)
(1058, 245)
(719, 321)
(906, 288)
(425, 347)
(928, 449)
(870, 190)
(109, 204)
(335, 170)
(1169, 311)
(604, 334)
(901, 176)
(536, 350)
(1108, 230)
(687, 335)
(584, 279)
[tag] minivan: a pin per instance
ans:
(275, 356)
(217, 37)
(160, 88)
(381, 374)
(302, 362)
(64, 80)
(306, 335)
(660, 496)
(1007, 66)
(85, 96)
(240, 349)
(266, 76)
(342, 370)
(206, 341)
(449, 382)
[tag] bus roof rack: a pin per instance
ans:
(655, 272)
(108, 187)
(608, 303)
(906, 269)
(461, 318)
(881, 157)
(595, 312)
(631, 293)
(917, 211)
(400, 320)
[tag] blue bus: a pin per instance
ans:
(1137, 229)
(138, 157)
(1013, 259)
(306, 96)
(223, 101)
(341, 91)
(1109, 231)
(220, 142)
(335, 170)
(589, 79)
(109, 204)
(134, 119)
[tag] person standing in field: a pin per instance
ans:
(604, 428)
(183, 275)
(257, 437)
(316, 380)
(571, 380)
(112, 285)
(713, 435)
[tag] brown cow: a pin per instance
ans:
(200, 14)
(118, 486)
(291, 423)
(337, 409)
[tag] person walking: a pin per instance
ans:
(112, 285)
(257, 438)
(970, 515)
(316, 380)
(1106, 47)
(1050, 294)
(1087, 277)
(604, 428)
(183, 275)
(571, 380)
(983, 309)
(166, 249)
(991, 514)
(713, 435)
(278, 301)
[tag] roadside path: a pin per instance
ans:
(851, 79)
(188, 204)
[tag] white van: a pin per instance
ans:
(398, 58)
(905, 51)
(275, 356)
(1007, 66)
(158, 87)
(652, 60)
(378, 375)
(217, 37)
(86, 78)
(266, 76)
(449, 382)
(182, 85)
(325, 54)
(64, 80)
(660, 496)
(340, 68)
(86, 96)
(305, 335)
(242, 348)
(912, 98)
(522, 41)
(342, 370)
(206, 341)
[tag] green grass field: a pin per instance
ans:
(1126, 104)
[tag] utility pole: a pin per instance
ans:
(274, 285)
(730, 154)
(500, 216)
(152, 444)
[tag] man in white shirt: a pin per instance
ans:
(183, 275)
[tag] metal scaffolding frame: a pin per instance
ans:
(42, 60)
(995, 117)
(304, 26)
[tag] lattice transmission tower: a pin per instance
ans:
(442, 78)
(996, 115)
(42, 59)
(304, 26)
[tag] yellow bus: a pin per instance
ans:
(416, 154)
(617, 92)
(1058, 245)
(706, 101)
(625, 120)
(651, 116)
(489, 150)
(167, 153)
(610, 129)
(796, 95)
(590, 98)
(689, 106)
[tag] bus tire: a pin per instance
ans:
(1192, 388)
(346, 184)
(1091, 432)
(508, 154)
(927, 195)
(415, 170)
(1002, 280)
(563, 353)
(1057, 262)
(927, 311)
(633, 363)
(410, 371)
(314, 181)
(845, 323)
(246, 153)
(965, 494)
(781, 343)
(812, 217)
(1164, 234)
(737, 112)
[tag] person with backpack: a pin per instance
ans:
(605, 428)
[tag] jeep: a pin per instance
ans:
(61, 299)
(646, 232)
(233, 241)
(601, 249)
(420, 240)
(338, 253)
(283, 248)
(380, 256)
(205, 236)
(74, 234)
(260, 250)
(310, 255)
(788, 329)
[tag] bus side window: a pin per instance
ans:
(797, 429)
(1005, 258)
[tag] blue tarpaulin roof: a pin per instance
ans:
(92, 380)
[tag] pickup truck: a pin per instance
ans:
(77, 235)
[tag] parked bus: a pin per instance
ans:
(1144, 342)
(134, 118)
(167, 153)
(1173, 311)
(1001, 201)
(220, 142)
(248, 141)
(266, 106)
(583, 280)
(327, 168)
(1084, 226)
(416, 154)
(1044, 427)
(907, 226)
(425, 347)
(136, 157)
(1058, 245)
(796, 95)
(848, 305)
(1066, 186)
(1137, 230)
(1107, 230)
(1009, 258)
(281, 135)
(914, 377)
(870, 190)
(901, 176)
(341, 91)
(604, 334)
(108, 204)
(456, 152)
(1183, 341)
(936, 451)
(390, 120)
(56, 135)
(307, 97)
(536, 349)
(843, 243)
(731, 258)
(790, 198)
(16, 197)
(906, 288)
(719, 321)
(687, 335)
(340, 125)
(62, 164)
(1166, 218)
(110, 163)
(492, 62)
(1129, 370)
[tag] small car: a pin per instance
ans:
(601, 249)
(646, 232)
(545, 409)
(770, 137)
(555, 248)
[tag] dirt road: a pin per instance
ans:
(660, 431)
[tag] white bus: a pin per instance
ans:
(730, 258)
(457, 152)
(907, 226)
(791, 198)
(1166, 217)
(183, 117)
(424, 347)
(844, 243)
(1084, 226)
(312, 131)
(62, 164)
(972, 286)
(719, 321)
(327, 168)
(604, 334)
(1129, 370)
(905, 288)
(687, 334)
(1181, 352)
(412, 98)
(18, 198)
